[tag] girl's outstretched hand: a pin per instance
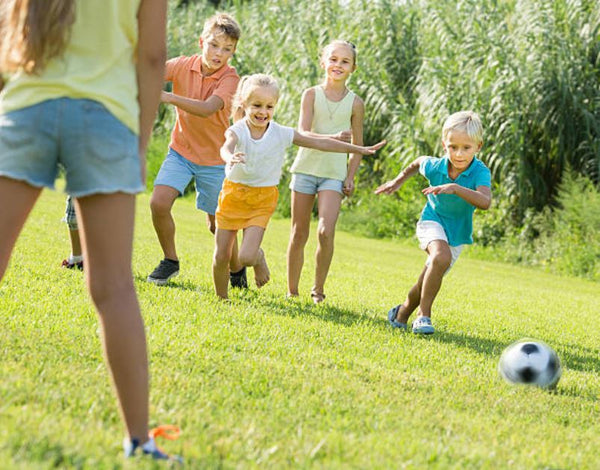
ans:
(237, 157)
(370, 150)
(388, 187)
(344, 136)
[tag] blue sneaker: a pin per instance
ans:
(423, 326)
(392, 318)
(150, 448)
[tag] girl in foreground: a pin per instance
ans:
(81, 85)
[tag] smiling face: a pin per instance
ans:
(338, 61)
(217, 49)
(461, 150)
(259, 109)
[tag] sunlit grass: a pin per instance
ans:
(263, 382)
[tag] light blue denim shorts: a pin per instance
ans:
(177, 171)
(309, 184)
(97, 151)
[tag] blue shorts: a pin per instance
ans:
(309, 184)
(177, 171)
(97, 151)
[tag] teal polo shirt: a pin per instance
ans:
(449, 210)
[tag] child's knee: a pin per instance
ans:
(441, 259)
(325, 233)
(159, 205)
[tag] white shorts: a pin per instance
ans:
(428, 231)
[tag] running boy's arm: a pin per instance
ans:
(151, 55)
(393, 185)
(329, 144)
(307, 111)
(202, 108)
(481, 197)
(358, 113)
(228, 153)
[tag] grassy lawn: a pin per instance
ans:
(263, 382)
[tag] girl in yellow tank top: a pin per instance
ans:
(330, 109)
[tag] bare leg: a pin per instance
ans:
(440, 258)
(251, 254)
(106, 222)
(75, 242)
(234, 263)
(329, 203)
(161, 203)
(224, 241)
(13, 215)
(301, 211)
(412, 301)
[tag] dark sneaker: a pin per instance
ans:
(165, 270)
(239, 279)
(69, 265)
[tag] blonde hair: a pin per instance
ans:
(248, 84)
(32, 32)
(222, 23)
(465, 121)
(339, 42)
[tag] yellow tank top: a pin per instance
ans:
(329, 117)
(98, 64)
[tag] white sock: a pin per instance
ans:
(75, 259)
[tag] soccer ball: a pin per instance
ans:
(530, 362)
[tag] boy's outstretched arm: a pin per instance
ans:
(202, 108)
(481, 197)
(328, 144)
(393, 185)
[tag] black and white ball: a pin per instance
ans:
(530, 362)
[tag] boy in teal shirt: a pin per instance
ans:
(459, 183)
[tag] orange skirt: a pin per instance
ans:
(241, 206)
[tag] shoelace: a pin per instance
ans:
(166, 431)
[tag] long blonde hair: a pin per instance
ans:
(32, 32)
(246, 87)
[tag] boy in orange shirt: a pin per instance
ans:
(203, 87)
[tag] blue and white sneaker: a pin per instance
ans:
(423, 326)
(150, 448)
(392, 314)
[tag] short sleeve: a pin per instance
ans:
(425, 165)
(288, 135)
(226, 89)
(171, 68)
(483, 176)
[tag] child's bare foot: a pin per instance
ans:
(262, 275)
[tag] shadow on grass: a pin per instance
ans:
(172, 284)
(298, 307)
(585, 360)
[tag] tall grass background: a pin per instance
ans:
(531, 68)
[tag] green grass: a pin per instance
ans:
(262, 382)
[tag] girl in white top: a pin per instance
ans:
(254, 152)
(329, 109)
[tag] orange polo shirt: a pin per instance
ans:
(199, 139)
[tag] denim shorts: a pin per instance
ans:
(177, 171)
(309, 184)
(97, 151)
